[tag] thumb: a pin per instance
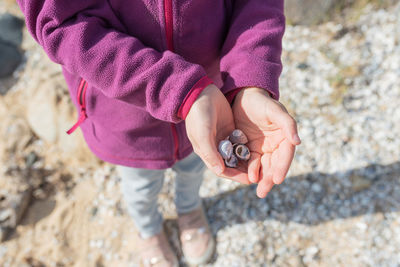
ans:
(209, 154)
(289, 126)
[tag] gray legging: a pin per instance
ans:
(140, 188)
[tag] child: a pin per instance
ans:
(155, 80)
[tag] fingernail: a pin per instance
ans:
(296, 138)
(217, 170)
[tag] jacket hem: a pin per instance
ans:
(158, 164)
(130, 162)
(186, 153)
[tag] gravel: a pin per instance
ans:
(340, 205)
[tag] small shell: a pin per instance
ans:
(238, 137)
(242, 152)
(232, 162)
(225, 148)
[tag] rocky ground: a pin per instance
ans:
(339, 206)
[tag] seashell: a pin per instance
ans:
(225, 148)
(238, 137)
(232, 162)
(241, 151)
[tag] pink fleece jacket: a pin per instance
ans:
(135, 67)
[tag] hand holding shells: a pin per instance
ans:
(234, 149)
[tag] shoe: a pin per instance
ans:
(197, 241)
(156, 251)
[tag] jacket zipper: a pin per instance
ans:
(170, 46)
(168, 24)
(82, 104)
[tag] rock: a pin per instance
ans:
(10, 58)
(307, 12)
(15, 135)
(11, 29)
(294, 260)
(50, 113)
(12, 208)
(10, 40)
(359, 182)
(30, 159)
(42, 113)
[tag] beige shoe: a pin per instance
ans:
(157, 252)
(196, 238)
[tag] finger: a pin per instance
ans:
(254, 167)
(209, 154)
(266, 168)
(281, 161)
(283, 119)
(236, 175)
(265, 184)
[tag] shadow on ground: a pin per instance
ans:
(308, 199)
(313, 198)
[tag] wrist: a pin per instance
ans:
(209, 95)
(210, 91)
(250, 90)
(192, 96)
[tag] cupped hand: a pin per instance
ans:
(272, 135)
(209, 121)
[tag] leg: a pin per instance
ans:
(196, 238)
(189, 176)
(140, 188)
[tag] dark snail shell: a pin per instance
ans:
(238, 137)
(232, 162)
(242, 152)
(225, 148)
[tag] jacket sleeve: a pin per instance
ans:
(87, 39)
(251, 53)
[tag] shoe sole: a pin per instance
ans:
(205, 258)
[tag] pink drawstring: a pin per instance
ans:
(82, 117)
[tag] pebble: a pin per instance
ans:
(11, 29)
(114, 234)
(10, 40)
(10, 58)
